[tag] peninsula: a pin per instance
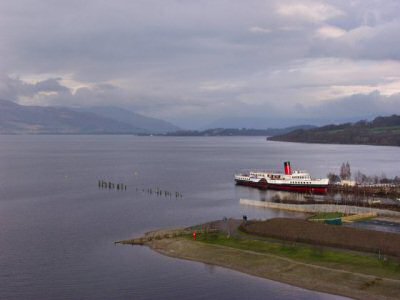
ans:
(249, 247)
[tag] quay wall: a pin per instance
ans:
(318, 208)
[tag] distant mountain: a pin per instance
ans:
(21, 119)
(237, 122)
(383, 131)
(147, 124)
(238, 132)
(255, 122)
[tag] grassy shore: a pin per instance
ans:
(327, 257)
(341, 272)
(326, 215)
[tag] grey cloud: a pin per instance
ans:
(378, 43)
(197, 61)
(49, 85)
(14, 88)
(355, 107)
(270, 114)
(340, 110)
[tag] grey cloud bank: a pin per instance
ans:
(196, 62)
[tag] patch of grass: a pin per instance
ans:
(385, 129)
(333, 131)
(327, 215)
(364, 219)
(317, 255)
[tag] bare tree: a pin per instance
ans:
(333, 178)
(345, 171)
(348, 170)
(360, 177)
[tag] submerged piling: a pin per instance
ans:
(110, 185)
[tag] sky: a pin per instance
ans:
(202, 63)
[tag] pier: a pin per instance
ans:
(317, 208)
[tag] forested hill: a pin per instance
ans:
(238, 131)
(383, 131)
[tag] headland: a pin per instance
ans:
(249, 247)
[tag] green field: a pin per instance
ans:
(392, 129)
(328, 215)
(316, 255)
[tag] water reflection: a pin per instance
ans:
(210, 268)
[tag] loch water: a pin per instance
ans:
(57, 227)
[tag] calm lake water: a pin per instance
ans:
(57, 227)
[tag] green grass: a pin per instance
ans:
(364, 219)
(317, 255)
(386, 129)
(334, 131)
(328, 215)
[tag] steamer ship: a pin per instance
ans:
(291, 180)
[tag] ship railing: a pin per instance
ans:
(248, 172)
(266, 171)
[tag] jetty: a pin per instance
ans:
(318, 208)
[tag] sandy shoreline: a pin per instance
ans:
(270, 266)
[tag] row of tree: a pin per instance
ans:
(360, 178)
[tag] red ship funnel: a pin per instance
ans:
(288, 169)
